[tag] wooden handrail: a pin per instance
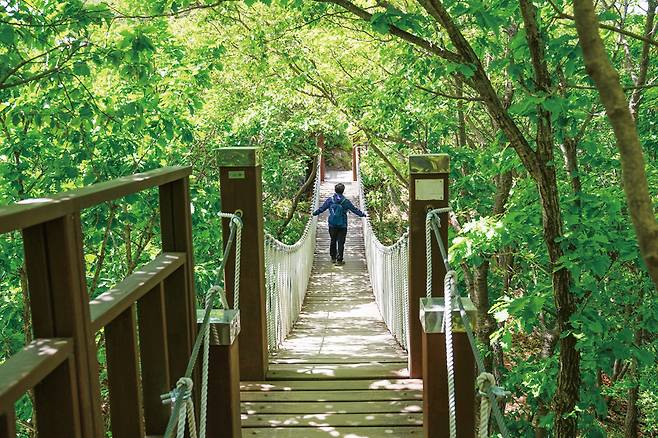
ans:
(31, 212)
(61, 366)
(25, 369)
(107, 306)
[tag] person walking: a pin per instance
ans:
(338, 206)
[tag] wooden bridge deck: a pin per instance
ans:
(340, 373)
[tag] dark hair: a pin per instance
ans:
(340, 188)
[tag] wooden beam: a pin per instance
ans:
(176, 230)
(8, 423)
(242, 189)
(428, 189)
(59, 390)
(31, 212)
(435, 377)
(109, 305)
(25, 369)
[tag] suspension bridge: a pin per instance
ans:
(339, 370)
(286, 344)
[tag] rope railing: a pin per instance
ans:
(287, 272)
(485, 381)
(388, 270)
(182, 412)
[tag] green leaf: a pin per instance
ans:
(81, 68)
(380, 22)
(644, 356)
(554, 105)
(7, 34)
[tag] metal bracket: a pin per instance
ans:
(224, 325)
(432, 311)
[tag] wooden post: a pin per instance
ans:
(242, 189)
(428, 189)
(435, 374)
(8, 423)
(224, 419)
(155, 359)
(59, 389)
(180, 297)
(320, 143)
(123, 379)
(60, 308)
(354, 163)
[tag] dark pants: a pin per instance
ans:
(337, 242)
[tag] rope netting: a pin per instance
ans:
(388, 270)
(287, 272)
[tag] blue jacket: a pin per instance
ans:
(341, 222)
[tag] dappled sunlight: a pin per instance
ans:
(47, 347)
(31, 364)
(332, 407)
(321, 419)
(415, 384)
(36, 201)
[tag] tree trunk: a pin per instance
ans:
(295, 199)
(614, 100)
(631, 420)
(634, 101)
(461, 120)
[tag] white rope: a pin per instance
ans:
(203, 410)
(182, 414)
(287, 272)
(238, 257)
(190, 415)
(184, 386)
(484, 382)
(388, 269)
(449, 290)
(237, 222)
(428, 254)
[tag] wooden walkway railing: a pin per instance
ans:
(60, 365)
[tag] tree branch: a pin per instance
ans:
(449, 96)
(191, 8)
(565, 16)
(295, 200)
(403, 34)
(614, 100)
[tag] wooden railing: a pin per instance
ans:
(61, 364)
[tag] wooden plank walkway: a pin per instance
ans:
(340, 373)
